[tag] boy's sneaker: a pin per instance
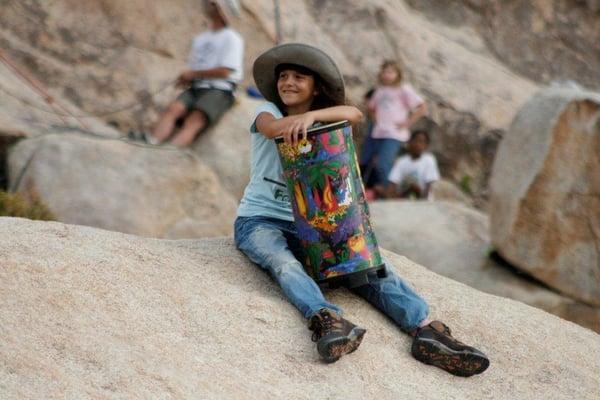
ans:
(148, 138)
(434, 344)
(334, 335)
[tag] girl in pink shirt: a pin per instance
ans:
(394, 107)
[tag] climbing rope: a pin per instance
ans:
(58, 109)
(144, 100)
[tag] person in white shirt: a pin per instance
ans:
(215, 67)
(414, 172)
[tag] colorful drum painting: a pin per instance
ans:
(329, 205)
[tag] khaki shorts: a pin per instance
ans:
(212, 102)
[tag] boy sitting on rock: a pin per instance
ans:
(412, 174)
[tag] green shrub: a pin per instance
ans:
(18, 205)
(466, 185)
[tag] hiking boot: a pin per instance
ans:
(434, 344)
(334, 335)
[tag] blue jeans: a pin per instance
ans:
(377, 158)
(272, 244)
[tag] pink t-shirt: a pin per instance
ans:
(393, 105)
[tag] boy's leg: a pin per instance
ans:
(208, 107)
(193, 124)
(392, 296)
(166, 124)
(265, 244)
(433, 343)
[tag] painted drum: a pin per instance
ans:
(330, 210)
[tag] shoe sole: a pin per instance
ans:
(341, 346)
(460, 363)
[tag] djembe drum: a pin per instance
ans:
(330, 210)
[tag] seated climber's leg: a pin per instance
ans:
(193, 124)
(264, 241)
(433, 342)
(177, 109)
(211, 104)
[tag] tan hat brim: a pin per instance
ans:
(301, 54)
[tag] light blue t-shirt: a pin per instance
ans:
(266, 194)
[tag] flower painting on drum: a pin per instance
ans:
(330, 210)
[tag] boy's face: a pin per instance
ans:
(211, 10)
(417, 145)
(295, 88)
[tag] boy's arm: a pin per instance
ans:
(189, 75)
(294, 126)
(337, 113)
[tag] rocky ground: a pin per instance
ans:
(81, 307)
(88, 313)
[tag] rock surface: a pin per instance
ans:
(445, 190)
(86, 313)
(453, 240)
(545, 192)
(550, 34)
(436, 57)
(226, 147)
(25, 113)
(123, 186)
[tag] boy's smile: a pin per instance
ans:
(295, 89)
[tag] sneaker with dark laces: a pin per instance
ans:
(334, 335)
(434, 345)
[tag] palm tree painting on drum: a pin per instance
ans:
(328, 203)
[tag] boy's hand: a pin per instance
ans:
(185, 78)
(297, 128)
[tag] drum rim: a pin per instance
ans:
(320, 129)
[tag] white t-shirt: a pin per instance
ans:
(221, 48)
(266, 194)
(423, 170)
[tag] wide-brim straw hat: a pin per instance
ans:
(300, 54)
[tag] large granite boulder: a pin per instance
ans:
(86, 313)
(117, 63)
(226, 146)
(123, 186)
(453, 240)
(545, 192)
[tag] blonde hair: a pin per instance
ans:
(393, 64)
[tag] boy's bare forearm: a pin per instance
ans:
(271, 127)
(338, 113)
(218, 72)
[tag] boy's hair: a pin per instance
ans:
(322, 100)
(420, 131)
(392, 64)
